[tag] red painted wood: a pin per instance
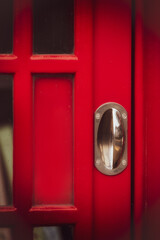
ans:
(53, 134)
(112, 77)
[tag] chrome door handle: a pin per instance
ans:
(110, 138)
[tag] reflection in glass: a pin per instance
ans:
(64, 232)
(53, 26)
(6, 26)
(6, 140)
(5, 234)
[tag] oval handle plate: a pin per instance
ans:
(110, 138)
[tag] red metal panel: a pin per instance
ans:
(112, 70)
(24, 65)
(53, 134)
(112, 83)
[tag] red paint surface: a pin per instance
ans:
(83, 121)
(112, 82)
(112, 77)
(53, 130)
(23, 65)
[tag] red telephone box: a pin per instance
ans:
(112, 55)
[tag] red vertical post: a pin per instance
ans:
(22, 116)
(112, 83)
(83, 120)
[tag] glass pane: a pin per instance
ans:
(64, 232)
(6, 139)
(53, 26)
(53, 131)
(5, 234)
(6, 26)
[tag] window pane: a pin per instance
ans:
(64, 232)
(6, 139)
(53, 26)
(6, 26)
(53, 131)
(5, 234)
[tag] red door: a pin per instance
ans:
(59, 62)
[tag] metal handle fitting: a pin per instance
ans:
(110, 138)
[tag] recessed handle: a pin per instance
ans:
(110, 138)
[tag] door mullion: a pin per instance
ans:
(83, 120)
(23, 138)
(22, 41)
